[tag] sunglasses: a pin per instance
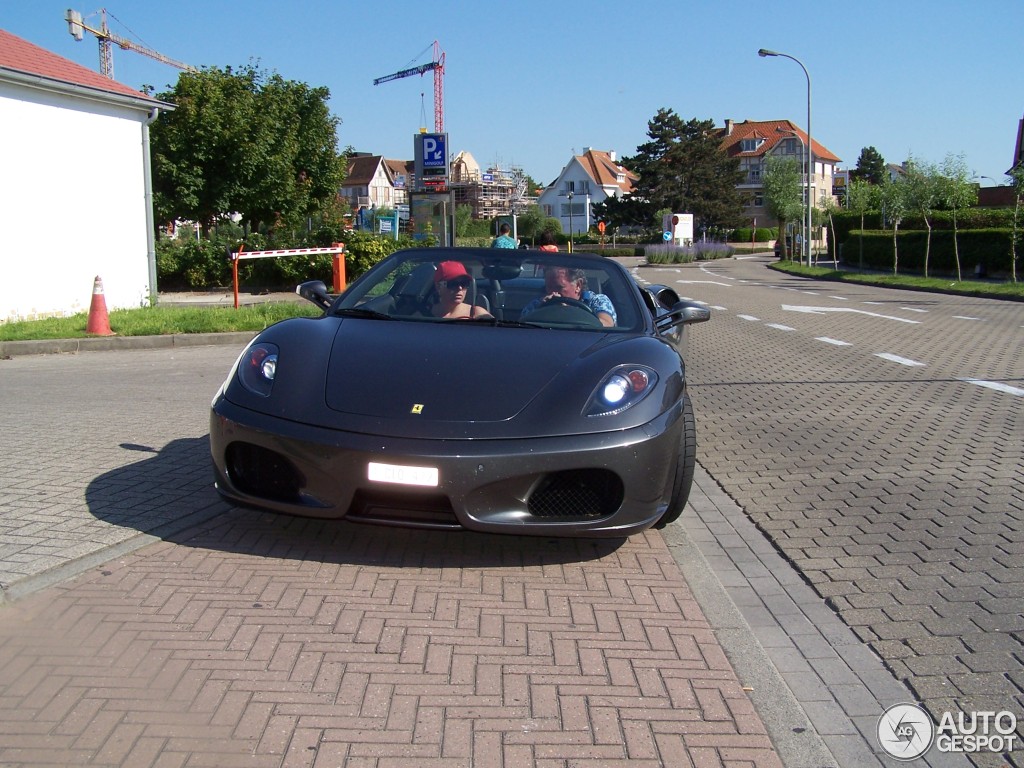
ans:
(454, 285)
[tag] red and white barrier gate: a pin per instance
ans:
(337, 250)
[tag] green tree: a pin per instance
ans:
(1016, 175)
(893, 196)
(870, 167)
(244, 142)
(783, 193)
(862, 197)
(958, 192)
(463, 219)
(924, 190)
(684, 169)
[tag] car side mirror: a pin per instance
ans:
(316, 292)
(683, 313)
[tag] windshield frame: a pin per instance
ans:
(503, 282)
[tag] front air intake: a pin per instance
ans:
(575, 494)
(260, 472)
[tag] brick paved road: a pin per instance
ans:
(253, 639)
(895, 487)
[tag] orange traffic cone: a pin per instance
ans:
(99, 321)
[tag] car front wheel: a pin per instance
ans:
(685, 462)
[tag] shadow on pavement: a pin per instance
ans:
(170, 495)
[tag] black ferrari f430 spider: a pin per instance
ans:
(503, 391)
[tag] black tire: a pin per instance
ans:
(685, 463)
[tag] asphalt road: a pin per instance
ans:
(876, 438)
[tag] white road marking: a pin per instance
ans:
(876, 303)
(897, 359)
(780, 327)
(703, 282)
(836, 342)
(964, 317)
(720, 309)
(749, 317)
(914, 309)
(823, 310)
(839, 298)
(996, 386)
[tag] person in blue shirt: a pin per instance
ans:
(571, 283)
(504, 238)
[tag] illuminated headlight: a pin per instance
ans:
(620, 389)
(258, 367)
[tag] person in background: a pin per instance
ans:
(547, 241)
(504, 238)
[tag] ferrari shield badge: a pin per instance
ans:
(417, 408)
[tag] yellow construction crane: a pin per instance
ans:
(77, 27)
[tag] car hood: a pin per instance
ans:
(444, 372)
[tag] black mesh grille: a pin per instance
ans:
(578, 493)
(261, 472)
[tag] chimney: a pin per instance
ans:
(728, 127)
(611, 156)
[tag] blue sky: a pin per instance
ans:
(530, 83)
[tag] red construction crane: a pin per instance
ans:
(437, 65)
(76, 26)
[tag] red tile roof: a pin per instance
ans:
(772, 131)
(21, 56)
(606, 171)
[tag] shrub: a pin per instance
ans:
(760, 235)
(989, 248)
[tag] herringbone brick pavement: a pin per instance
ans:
(257, 640)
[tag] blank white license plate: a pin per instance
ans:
(402, 475)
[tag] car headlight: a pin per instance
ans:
(621, 388)
(258, 367)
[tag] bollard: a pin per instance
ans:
(339, 267)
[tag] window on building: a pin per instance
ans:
(750, 145)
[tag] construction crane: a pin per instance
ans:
(437, 65)
(76, 26)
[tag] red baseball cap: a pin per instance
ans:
(449, 270)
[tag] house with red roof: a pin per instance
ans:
(76, 198)
(586, 180)
(753, 142)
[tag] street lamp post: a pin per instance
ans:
(570, 193)
(810, 153)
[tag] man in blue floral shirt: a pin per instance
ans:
(571, 283)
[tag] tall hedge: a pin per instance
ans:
(989, 248)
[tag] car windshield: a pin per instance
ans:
(522, 288)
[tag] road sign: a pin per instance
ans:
(666, 236)
(435, 154)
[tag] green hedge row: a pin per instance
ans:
(185, 263)
(873, 249)
(748, 234)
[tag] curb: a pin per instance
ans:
(10, 349)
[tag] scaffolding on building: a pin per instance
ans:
(491, 193)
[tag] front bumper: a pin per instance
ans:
(609, 484)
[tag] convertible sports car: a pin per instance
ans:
(538, 411)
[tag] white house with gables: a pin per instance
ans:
(76, 197)
(586, 180)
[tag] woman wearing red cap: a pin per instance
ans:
(452, 282)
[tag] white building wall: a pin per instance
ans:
(72, 204)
